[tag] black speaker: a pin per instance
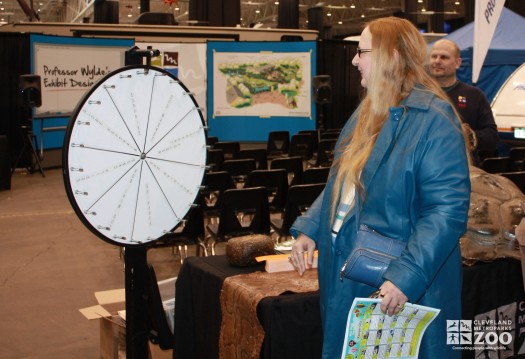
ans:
(316, 22)
(316, 18)
(288, 14)
(106, 12)
(322, 89)
(30, 90)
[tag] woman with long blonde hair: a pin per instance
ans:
(401, 169)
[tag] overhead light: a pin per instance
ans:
(276, 2)
(129, 15)
(423, 9)
(352, 6)
(340, 22)
(257, 11)
(419, 1)
(362, 15)
(329, 14)
(177, 8)
(457, 3)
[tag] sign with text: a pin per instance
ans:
(69, 67)
(186, 61)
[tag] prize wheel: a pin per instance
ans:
(134, 155)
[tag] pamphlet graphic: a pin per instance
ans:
(371, 334)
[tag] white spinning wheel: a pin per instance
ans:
(134, 155)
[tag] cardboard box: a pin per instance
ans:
(110, 310)
(113, 341)
(112, 338)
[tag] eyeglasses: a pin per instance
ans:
(361, 51)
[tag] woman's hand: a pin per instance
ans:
(392, 298)
(303, 244)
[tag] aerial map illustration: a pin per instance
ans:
(261, 82)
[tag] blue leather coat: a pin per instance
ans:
(417, 190)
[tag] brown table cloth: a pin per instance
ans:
(240, 296)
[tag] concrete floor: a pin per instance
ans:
(50, 266)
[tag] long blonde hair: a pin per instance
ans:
(398, 65)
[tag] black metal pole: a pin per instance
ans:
(136, 272)
(136, 263)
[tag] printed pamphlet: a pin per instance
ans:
(371, 334)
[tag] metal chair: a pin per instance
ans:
(258, 154)
(244, 211)
(214, 159)
(276, 183)
(518, 178)
(325, 153)
(214, 184)
(239, 169)
(302, 144)
(495, 164)
(517, 159)
(230, 148)
(211, 140)
(294, 167)
(278, 143)
(315, 175)
(189, 231)
(298, 200)
(315, 137)
(482, 154)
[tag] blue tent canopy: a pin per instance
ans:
(506, 52)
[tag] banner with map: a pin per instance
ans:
(261, 84)
(257, 87)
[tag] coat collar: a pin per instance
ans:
(420, 99)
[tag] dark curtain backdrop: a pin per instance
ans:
(14, 61)
(334, 58)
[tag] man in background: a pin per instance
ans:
(470, 101)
